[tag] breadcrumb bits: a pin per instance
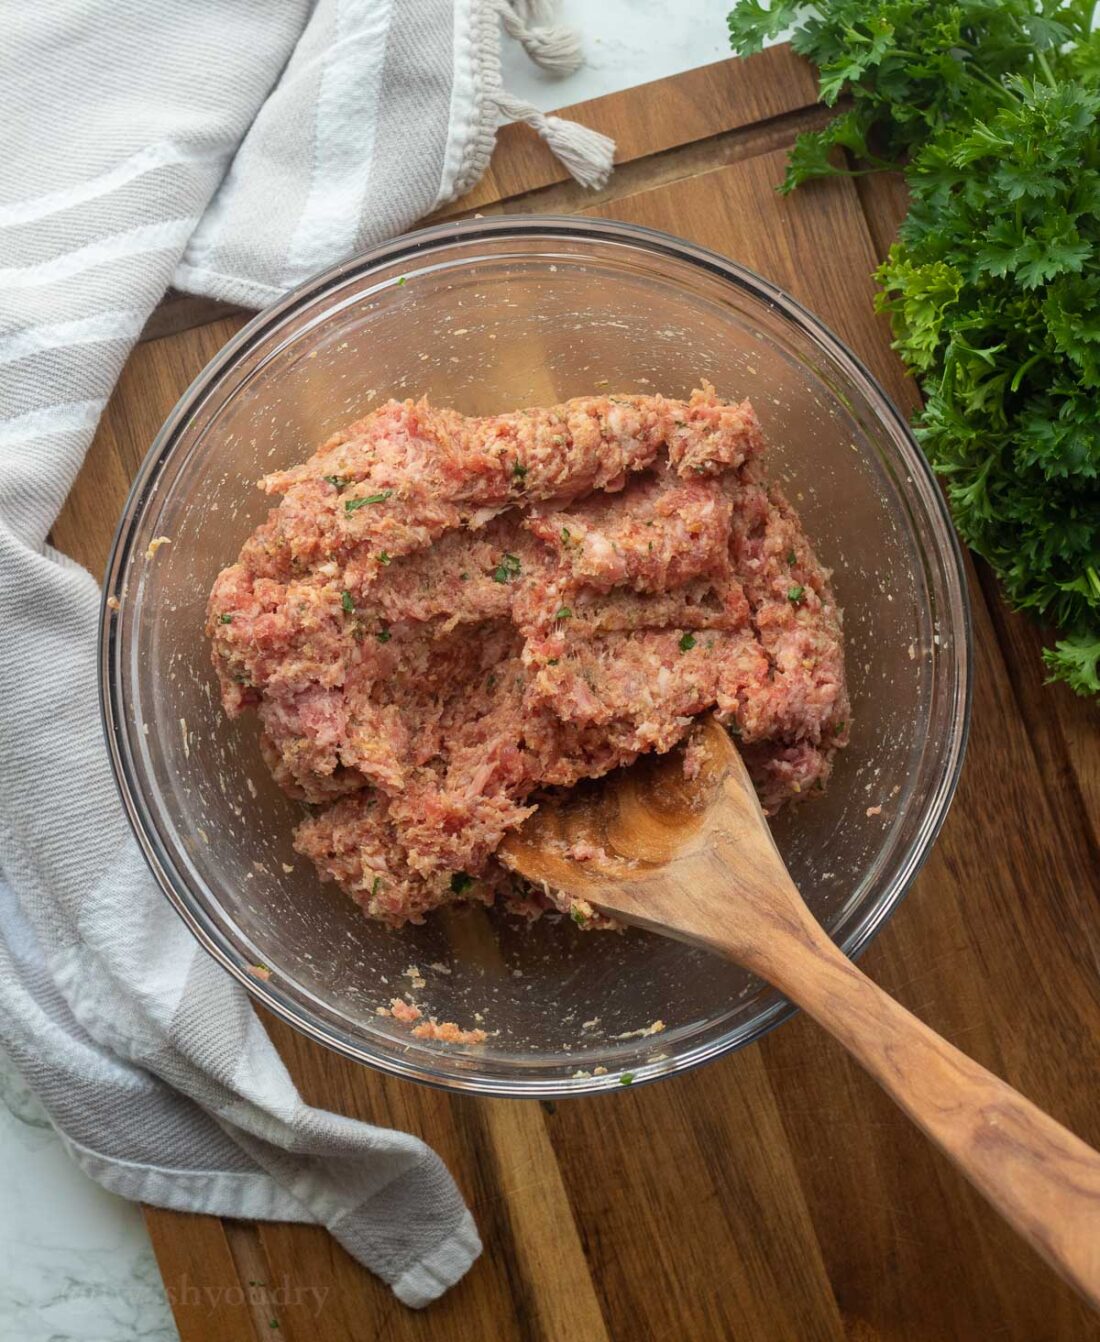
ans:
(447, 1032)
(873, 811)
(155, 544)
(656, 1027)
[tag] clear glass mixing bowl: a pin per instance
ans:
(485, 316)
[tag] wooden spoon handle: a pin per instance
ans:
(1039, 1176)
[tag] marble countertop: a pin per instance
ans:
(76, 1261)
(77, 1264)
(626, 42)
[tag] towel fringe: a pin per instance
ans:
(586, 154)
(553, 46)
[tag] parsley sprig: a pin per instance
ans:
(508, 568)
(993, 286)
(353, 505)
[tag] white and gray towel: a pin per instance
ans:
(231, 147)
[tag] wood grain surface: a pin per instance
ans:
(694, 859)
(777, 1194)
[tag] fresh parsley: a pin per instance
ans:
(993, 286)
(460, 882)
(336, 481)
(507, 569)
(1077, 661)
(352, 505)
(687, 642)
(796, 593)
(225, 619)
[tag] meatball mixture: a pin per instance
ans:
(444, 614)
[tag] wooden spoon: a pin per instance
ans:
(695, 860)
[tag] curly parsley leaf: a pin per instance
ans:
(990, 108)
(1077, 662)
(507, 569)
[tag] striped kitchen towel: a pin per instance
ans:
(231, 147)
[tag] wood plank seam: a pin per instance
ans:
(1078, 840)
(653, 170)
(262, 1291)
(659, 115)
(216, 1306)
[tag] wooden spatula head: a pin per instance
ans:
(651, 845)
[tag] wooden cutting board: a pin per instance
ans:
(775, 1194)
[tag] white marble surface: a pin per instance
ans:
(627, 42)
(75, 1261)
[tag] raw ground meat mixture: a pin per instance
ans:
(444, 614)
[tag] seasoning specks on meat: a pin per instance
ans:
(444, 614)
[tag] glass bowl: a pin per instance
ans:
(489, 315)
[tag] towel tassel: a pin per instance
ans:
(553, 46)
(586, 154)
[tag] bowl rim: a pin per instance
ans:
(410, 246)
